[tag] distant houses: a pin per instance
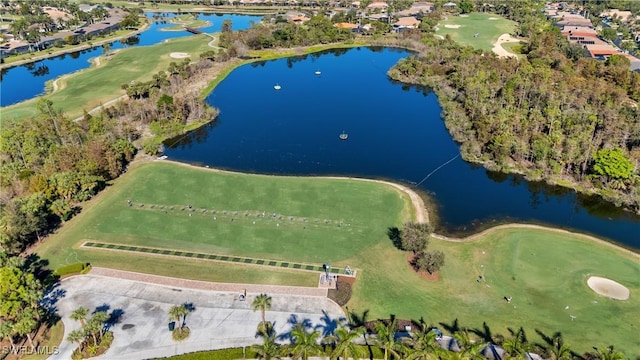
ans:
(578, 29)
(109, 24)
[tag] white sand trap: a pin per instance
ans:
(492, 18)
(608, 288)
(452, 26)
(179, 55)
(463, 15)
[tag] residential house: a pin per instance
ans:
(580, 34)
(417, 9)
(406, 22)
(624, 16)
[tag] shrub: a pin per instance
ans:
(77, 268)
(222, 354)
(341, 294)
(180, 333)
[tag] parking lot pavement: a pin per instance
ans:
(219, 320)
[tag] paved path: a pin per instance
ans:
(219, 320)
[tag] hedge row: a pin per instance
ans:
(222, 354)
(77, 268)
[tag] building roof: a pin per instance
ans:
(345, 25)
(378, 5)
(634, 62)
(407, 21)
(625, 16)
(579, 31)
(568, 19)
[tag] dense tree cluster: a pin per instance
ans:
(318, 30)
(415, 237)
(21, 291)
(544, 115)
(51, 163)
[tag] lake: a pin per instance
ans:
(395, 132)
(24, 82)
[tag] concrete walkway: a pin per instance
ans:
(219, 320)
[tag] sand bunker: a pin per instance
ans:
(179, 55)
(492, 18)
(608, 288)
(452, 26)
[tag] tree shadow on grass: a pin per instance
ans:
(395, 236)
(487, 335)
(452, 328)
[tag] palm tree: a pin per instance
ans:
(26, 324)
(559, 350)
(609, 354)
(470, 350)
(517, 345)
(178, 313)
(425, 345)
(262, 302)
(7, 331)
(304, 343)
(268, 349)
(386, 339)
(345, 347)
(80, 314)
(76, 336)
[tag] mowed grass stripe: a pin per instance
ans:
(187, 254)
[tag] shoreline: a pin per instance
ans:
(81, 47)
(422, 214)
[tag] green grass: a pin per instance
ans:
(97, 85)
(319, 221)
(543, 271)
(488, 30)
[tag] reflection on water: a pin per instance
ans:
(395, 132)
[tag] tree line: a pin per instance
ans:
(358, 338)
(570, 121)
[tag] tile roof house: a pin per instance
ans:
(580, 34)
(345, 25)
(407, 22)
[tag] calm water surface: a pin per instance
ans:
(395, 132)
(28, 81)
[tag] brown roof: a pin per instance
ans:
(344, 25)
(579, 31)
(407, 21)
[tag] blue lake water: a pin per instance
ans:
(395, 132)
(28, 81)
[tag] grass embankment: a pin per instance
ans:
(545, 272)
(97, 85)
(316, 221)
(489, 27)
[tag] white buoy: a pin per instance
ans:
(277, 87)
(318, 72)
